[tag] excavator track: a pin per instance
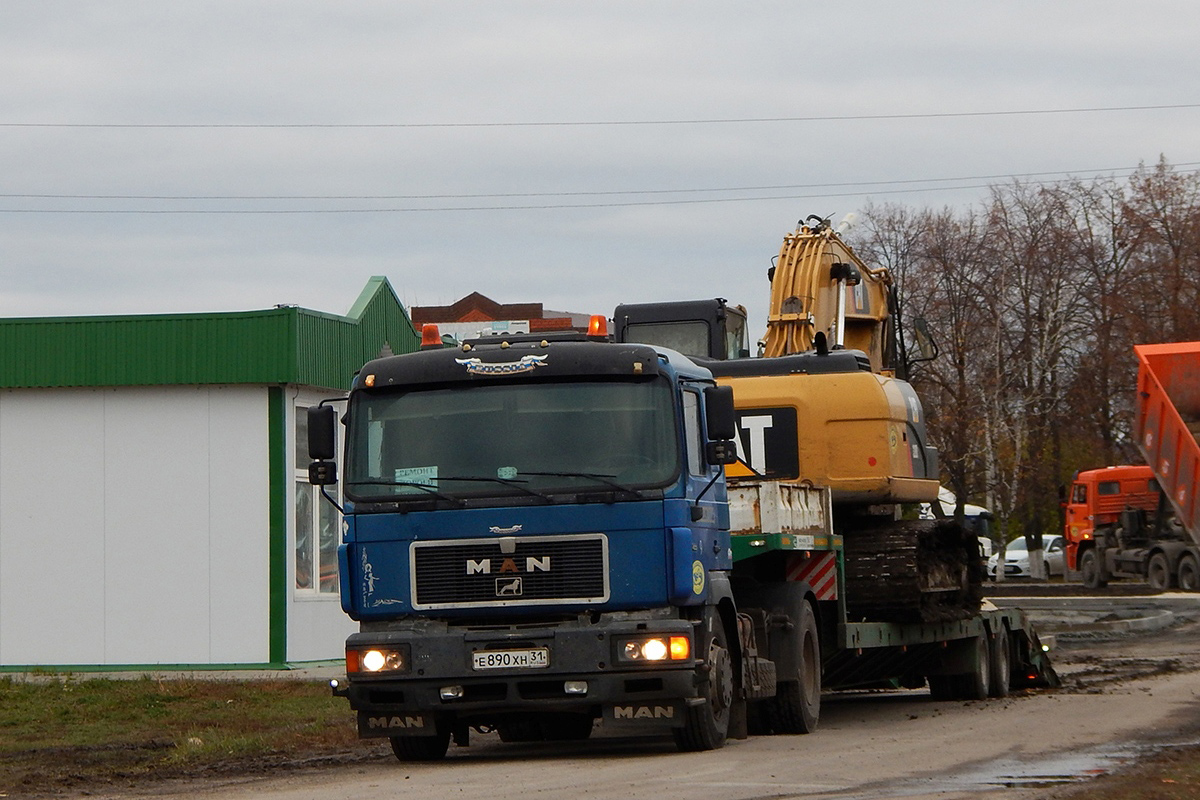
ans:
(913, 571)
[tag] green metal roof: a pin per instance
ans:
(279, 345)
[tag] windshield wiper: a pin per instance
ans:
(422, 486)
(506, 482)
(607, 480)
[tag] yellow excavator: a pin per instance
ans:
(826, 404)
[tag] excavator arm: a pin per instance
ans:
(821, 289)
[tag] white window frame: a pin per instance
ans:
(319, 582)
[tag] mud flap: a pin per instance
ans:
(653, 713)
(407, 723)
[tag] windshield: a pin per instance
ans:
(508, 439)
(689, 338)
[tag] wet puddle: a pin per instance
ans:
(1030, 770)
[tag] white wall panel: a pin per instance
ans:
(151, 513)
(239, 525)
(157, 556)
(52, 478)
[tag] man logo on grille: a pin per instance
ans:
(508, 588)
(532, 564)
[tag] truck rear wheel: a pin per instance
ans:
(1158, 572)
(422, 748)
(796, 706)
(707, 725)
(1188, 573)
(1091, 571)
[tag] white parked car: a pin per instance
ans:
(1016, 558)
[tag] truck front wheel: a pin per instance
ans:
(1091, 571)
(796, 706)
(707, 725)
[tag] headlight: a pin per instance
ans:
(655, 648)
(376, 660)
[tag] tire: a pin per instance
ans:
(422, 748)
(1000, 653)
(707, 725)
(1188, 573)
(566, 727)
(796, 706)
(977, 683)
(521, 728)
(943, 687)
(1091, 572)
(1158, 573)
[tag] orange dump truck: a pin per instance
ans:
(1143, 521)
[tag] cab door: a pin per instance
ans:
(1079, 521)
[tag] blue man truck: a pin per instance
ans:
(538, 534)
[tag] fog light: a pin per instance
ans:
(451, 692)
(575, 687)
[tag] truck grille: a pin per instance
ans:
(510, 571)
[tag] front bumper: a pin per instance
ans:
(584, 675)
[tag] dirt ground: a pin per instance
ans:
(1125, 696)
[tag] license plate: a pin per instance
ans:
(533, 658)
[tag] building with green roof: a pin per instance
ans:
(154, 504)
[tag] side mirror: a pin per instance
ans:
(926, 345)
(322, 473)
(718, 413)
(721, 453)
(322, 433)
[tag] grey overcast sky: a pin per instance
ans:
(237, 154)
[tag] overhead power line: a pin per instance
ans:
(865, 185)
(526, 207)
(596, 123)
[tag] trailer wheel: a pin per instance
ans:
(1158, 572)
(1001, 664)
(706, 725)
(977, 683)
(422, 748)
(1189, 573)
(943, 687)
(1091, 573)
(796, 706)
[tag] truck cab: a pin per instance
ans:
(536, 536)
(1097, 498)
(696, 328)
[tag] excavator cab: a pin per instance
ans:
(696, 328)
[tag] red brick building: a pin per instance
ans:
(476, 315)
